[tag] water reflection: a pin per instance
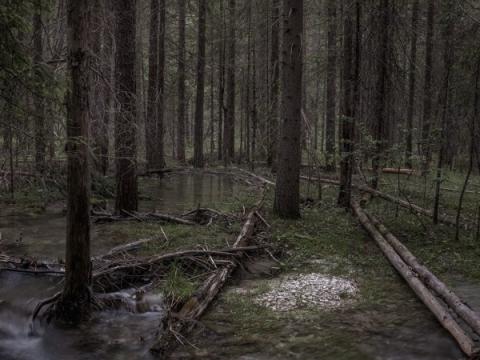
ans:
(181, 192)
(43, 235)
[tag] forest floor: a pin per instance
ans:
(328, 243)
(384, 321)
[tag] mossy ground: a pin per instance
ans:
(386, 310)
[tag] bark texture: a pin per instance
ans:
(74, 303)
(181, 82)
(125, 116)
(411, 86)
(348, 119)
(331, 84)
(287, 197)
(38, 101)
(198, 134)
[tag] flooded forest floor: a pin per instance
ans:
(324, 291)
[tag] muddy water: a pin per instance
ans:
(43, 235)
(182, 192)
(110, 335)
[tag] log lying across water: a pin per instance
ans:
(414, 280)
(181, 323)
(143, 217)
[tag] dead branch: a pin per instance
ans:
(144, 217)
(184, 321)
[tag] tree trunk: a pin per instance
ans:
(254, 103)
(427, 92)
(152, 115)
(448, 57)
(248, 95)
(287, 191)
(331, 85)
(38, 100)
(125, 117)
(381, 118)
(348, 119)
(229, 126)
(181, 82)
(221, 82)
(198, 134)
(411, 86)
(158, 158)
(74, 303)
(274, 84)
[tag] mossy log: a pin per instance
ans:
(182, 322)
(466, 343)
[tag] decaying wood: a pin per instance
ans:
(466, 343)
(181, 323)
(398, 171)
(144, 217)
(471, 317)
(30, 265)
(151, 172)
(255, 176)
(403, 203)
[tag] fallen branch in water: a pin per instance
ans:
(144, 217)
(183, 321)
(466, 343)
(255, 176)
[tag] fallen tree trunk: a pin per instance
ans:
(465, 342)
(144, 217)
(403, 203)
(466, 313)
(181, 323)
(255, 176)
(30, 265)
(150, 172)
(398, 171)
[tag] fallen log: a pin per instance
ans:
(130, 247)
(30, 265)
(403, 203)
(144, 217)
(181, 323)
(471, 317)
(466, 343)
(398, 171)
(255, 176)
(151, 172)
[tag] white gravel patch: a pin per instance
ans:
(308, 291)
